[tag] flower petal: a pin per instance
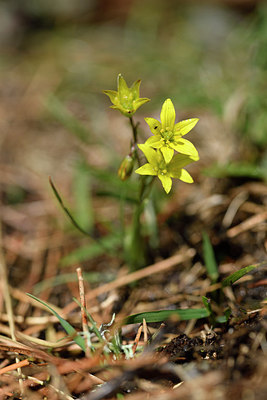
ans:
(154, 141)
(113, 95)
(186, 177)
(183, 127)
(135, 89)
(127, 113)
(167, 115)
(167, 153)
(185, 147)
(175, 173)
(166, 182)
(183, 175)
(118, 107)
(122, 86)
(139, 102)
(179, 161)
(154, 125)
(160, 158)
(150, 154)
(146, 169)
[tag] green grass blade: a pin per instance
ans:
(207, 305)
(221, 319)
(72, 219)
(209, 258)
(65, 324)
(163, 315)
(67, 212)
(90, 318)
(238, 274)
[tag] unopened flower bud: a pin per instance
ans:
(126, 167)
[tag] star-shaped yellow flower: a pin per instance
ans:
(168, 135)
(157, 166)
(125, 99)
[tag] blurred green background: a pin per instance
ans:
(209, 57)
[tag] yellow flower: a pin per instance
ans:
(125, 99)
(168, 135)
(165, 171)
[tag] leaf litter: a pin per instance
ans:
(179, 358)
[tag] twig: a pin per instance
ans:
(11, 367)
(137, 338)
(247, 224)
(83, 308)
(135, 276)
(145, 331)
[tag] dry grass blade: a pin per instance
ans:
(247, 224)
(15, 347)
(137, 338)
(83, 308)
(8, 303)
(158, 267)
(11, 367)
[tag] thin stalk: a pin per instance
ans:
(134, 129)
(136, 251)
(135, 135)
(83, 313)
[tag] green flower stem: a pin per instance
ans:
(136, 254)
(135, 248)
(135, 134)
(134, 128)
(145, 189)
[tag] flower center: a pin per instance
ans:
(161, 168)
(163, 171)
(167, 134)
(127, 101)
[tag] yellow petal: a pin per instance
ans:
(166, 182)
(167, 153)
(167, 115)
(186, 177)
(185, 147)
(150, 154)
(146, 169)
(154, 125)
(183, 127)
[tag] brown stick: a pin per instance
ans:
(83, 308)
(11, 367)
(247, 224)
(137, 338)
(135, 276)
